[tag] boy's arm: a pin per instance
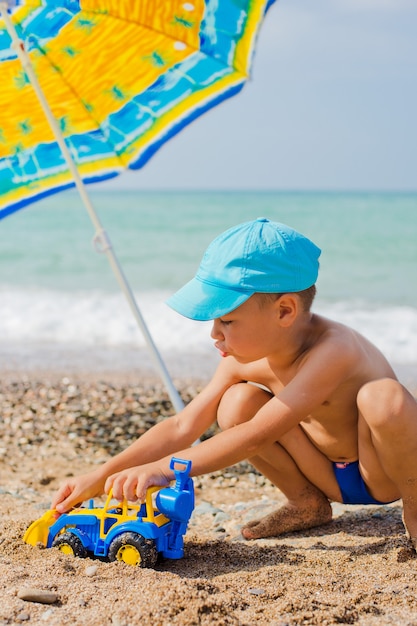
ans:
(162, 440)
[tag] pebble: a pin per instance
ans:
(31, 594)
(221, 517)
(23, 617)
(91, 570)
(256, 592)
(204, 508)
(117, 621)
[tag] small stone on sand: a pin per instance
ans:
(31, 594)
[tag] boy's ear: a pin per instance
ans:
(287, 308)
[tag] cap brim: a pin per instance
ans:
(203, 302)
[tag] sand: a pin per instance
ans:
(357, 570)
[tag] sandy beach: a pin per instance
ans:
(357, 570)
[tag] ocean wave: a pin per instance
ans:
(95, 320)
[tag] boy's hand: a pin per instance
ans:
(75, 491)
(133, 483)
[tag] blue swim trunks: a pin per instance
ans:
(351, 484)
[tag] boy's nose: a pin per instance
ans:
(216, 330)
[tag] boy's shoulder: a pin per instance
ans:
(326, 330)
(338, 341)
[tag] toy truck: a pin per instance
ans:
(130, 532)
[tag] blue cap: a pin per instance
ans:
(255, 257)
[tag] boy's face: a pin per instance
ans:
(249, 332)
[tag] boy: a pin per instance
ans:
(312, 404)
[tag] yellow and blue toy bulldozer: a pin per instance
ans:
(130, 532)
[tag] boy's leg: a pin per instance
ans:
(388, 446)
(293, 464)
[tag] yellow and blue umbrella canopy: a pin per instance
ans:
(121, 78)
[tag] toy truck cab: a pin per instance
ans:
(125, 531)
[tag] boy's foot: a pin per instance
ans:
(288, 519)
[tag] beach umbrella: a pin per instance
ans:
(90, 88)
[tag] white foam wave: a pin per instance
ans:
(95, 319)
(87, 321)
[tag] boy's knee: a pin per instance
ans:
(380, 400)
(239, 404)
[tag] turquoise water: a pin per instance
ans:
(368, 240)
(56, 289)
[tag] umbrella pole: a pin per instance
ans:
(101, 239)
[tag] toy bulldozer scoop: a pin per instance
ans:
(38, 531)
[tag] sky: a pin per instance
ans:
(331, 104)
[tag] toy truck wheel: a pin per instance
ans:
(70, 544)
(133, 549)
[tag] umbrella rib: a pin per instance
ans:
(173, 39)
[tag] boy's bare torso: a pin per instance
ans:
(332, 425)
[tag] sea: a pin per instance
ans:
(62, 308)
